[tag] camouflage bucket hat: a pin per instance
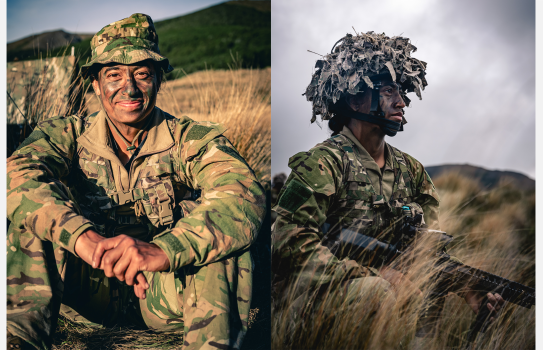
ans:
(356, 62)
(130, 40)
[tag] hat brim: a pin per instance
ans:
(127, 55)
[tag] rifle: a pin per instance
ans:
(449, 274)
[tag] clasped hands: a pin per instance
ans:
(122, 257)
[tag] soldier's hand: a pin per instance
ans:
(140, 286)
(495, 302)
(86, 244)
(397, 280)
(123, 257)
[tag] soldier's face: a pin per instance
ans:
(128, 92)
(391, 101)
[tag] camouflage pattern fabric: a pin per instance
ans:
(127, 41)
(337, 184)
(355, 61)
(66, 178)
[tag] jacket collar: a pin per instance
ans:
(96, 138)
(366, 158)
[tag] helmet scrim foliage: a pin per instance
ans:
(355, 60)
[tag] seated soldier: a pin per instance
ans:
(104, 223)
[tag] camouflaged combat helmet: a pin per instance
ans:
(360, 62)
(127, 41)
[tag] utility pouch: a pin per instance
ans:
(159, 203)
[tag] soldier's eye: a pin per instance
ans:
(142, 75)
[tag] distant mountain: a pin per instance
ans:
(52, 40)
(488, 178)
(208, 38)
(44, 42)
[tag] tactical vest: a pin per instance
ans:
(358, 206)
(156, 202)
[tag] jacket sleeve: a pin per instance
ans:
(38, 199)
(425, 192)
(232, 206)
(297, 250)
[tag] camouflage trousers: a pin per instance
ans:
(43, 280)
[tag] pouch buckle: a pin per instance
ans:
(165, 212)
(124, 197)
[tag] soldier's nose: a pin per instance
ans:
(130, 87)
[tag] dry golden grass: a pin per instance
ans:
(37, 90)
(77, 336)
(494, 231)
(238, 98)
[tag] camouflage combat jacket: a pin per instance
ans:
(337, 184)
(66, 178)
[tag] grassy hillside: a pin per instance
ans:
(487, 178)
(48, 40)
(207, 38)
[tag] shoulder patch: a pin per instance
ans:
(33, 137)
(197, 132)
(294, 196)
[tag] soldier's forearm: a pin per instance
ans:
(229, 214)
(86, 244)
(212, 232)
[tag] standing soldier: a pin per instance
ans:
(102, 211)
(354, 178)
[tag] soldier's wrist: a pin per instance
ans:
(69, 244)
(85, 244)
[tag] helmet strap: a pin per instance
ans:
(376, 100)
(389, 127)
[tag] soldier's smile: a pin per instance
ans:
(130, 105)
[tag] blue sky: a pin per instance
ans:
(26, 17)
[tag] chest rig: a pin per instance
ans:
(154, 203)
(360, 207)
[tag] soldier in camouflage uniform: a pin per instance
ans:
(353, 179)
(106, 226)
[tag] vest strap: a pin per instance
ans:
(124, 197)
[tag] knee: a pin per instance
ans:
(369, 289)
